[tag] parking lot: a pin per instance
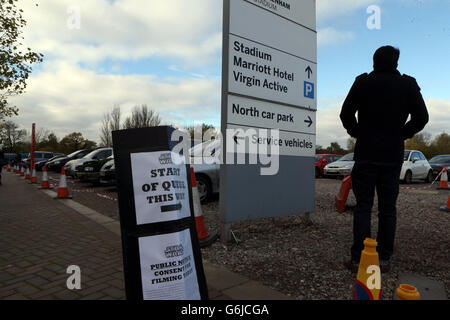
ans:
(304, 259)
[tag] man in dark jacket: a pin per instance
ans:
(383, 99)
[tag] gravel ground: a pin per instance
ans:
(304, 260)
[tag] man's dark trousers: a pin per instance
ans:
(366, 177)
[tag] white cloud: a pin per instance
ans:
(126, 29)
(329, 126)
(332, 36)
(65, 98)
(332, 9)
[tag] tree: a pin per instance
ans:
(440, 145)
(50, 143)
(75, 141)
(15, 61)
(351, 142)
(320, 149)
(192, 130)
(142, 118)
(335, 148)
(110, 123)
(11, 136)
(421, 142)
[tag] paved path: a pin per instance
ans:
(41, 237)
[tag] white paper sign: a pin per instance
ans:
(168, 267)
(160, 187)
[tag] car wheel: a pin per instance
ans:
(429, 177)
(204, 188)
(408, 177)
(317, 173)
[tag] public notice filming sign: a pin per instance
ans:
(161, 252)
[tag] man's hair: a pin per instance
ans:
(386, 58)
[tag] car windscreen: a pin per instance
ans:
(347, 157)
(318, 158)
(440, 159)
(56, 157)
(198, 150)
(73, 154)
(406, 155)
(91, 154)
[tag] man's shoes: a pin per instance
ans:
(351, 265)
(385, 266)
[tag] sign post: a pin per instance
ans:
(269, 99)
(33, 143)
(161, 253)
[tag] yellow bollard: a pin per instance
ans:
(368, 280)
(407, 292)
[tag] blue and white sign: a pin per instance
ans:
(309, 90)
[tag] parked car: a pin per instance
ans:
(322, 160)
(415, 167)
(70, 166)
(438, 162)
(10, 157)
(341, 167)
(57, 164)
(88, 167)
(40, 156)
(207, 173)
(108, 172)
(40, 164)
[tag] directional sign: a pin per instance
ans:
(262, 114)
(269, 104)
(260, 141)
(309, 71)
(295, 10)
(270, 29)
(262, 72)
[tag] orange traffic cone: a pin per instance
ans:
(33, 179)
(368, 280)
(15, 169)
(205, 239)
(27, 174)
(444, 180)
(407, 292)
(22, 171)
(44, 183)
(63, 192)
(342, 196)
(9, 167)
(447, 207)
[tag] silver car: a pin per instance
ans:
(341, 167)
(206, 168)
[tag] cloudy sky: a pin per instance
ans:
(167, 54)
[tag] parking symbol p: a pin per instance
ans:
(309, 90)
